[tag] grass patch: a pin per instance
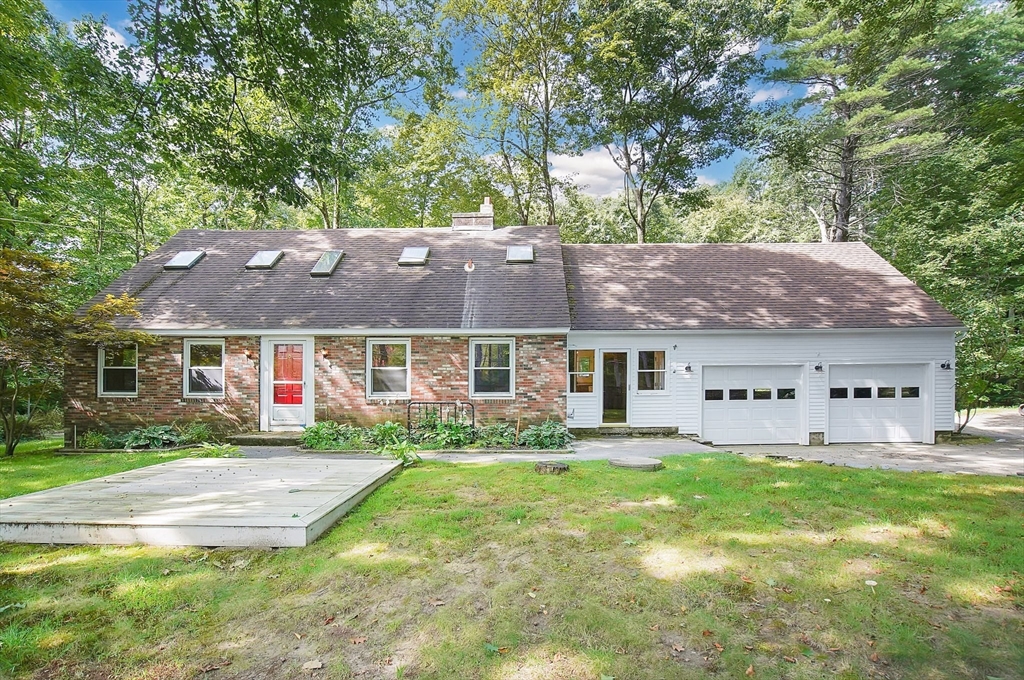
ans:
(34, 467)
(715, 564)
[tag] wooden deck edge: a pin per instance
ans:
(318, 526)
(76, 533)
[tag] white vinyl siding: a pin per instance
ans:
(681, 406)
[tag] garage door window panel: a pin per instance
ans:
(838, 393)
(861, 392)
(737, 395)
(910, 392)
(786, 393)
(714, 395)
(762, 393)
(886, 392)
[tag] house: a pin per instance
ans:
(275, 330)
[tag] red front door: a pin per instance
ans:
(287, 374)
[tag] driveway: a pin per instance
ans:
(1004, 423)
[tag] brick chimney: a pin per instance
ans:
(482, 220)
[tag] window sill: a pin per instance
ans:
(203, 397)
(119, 396)
(582, 394)
(388, 397)
(493, 397)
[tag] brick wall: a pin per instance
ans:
(159, 400)
(440, 372)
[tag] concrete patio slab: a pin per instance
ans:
(275, 502)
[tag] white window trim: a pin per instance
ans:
(100, 358)
(571, 373)
(370, 394)
(637, 371)
(511, 394)
(186, 366)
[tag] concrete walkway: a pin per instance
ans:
(586, 449)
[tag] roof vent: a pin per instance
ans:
(414, 257)
(482, 220)
(327, 263)
(518, 254)
(264, 259)
(186, 259)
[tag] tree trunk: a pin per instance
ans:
(844, 190)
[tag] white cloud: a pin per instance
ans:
(594, 172)
(763, 94)
(114, 36)
(460, 94)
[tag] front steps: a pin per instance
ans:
(266, 439)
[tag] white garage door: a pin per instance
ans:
(752, 404)
(876, 403)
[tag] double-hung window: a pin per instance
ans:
(119, 371)
(204, 368)
(650, 370)
(581, 371)
(387, 369)
(492, 373)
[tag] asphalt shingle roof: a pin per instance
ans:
(742, 286)
(368, 289)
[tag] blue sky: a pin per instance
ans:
(594, 169)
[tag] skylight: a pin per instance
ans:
(264, 259)
(327, 263)
(186, 259)
(517, 254)
(414, 256)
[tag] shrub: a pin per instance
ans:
(387, 434)
(547, 435)
(208, 450)
(93, 440)
(404, 450)
(328, 434)
(497, 436)
(152, 437)
(195, 432)
(452, 434)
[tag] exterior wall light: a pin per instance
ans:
(945, 365)
(819, 368)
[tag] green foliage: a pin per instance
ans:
(152, 437)
(449, 434)
(497, 436)
(93, 439)
(328, 434)
(208, 450)
(403, 450)
(387, 433)
(548, 435)
(195, 432)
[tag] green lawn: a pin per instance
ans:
(34, 467)
(712, 566)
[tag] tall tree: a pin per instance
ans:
(665, 89)
(524, 81)
(857, 61)
(281, 98)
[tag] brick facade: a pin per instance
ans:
(439, 367)
(440, 372)
(160, 400)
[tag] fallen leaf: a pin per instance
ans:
(654, 627)
(358, 640)
(533, 595)
(719, 647)
(750, 671)
(748, 648)
(871, 643)
(706, 633)
(834, 649)
(677, 648)
(297, 636)
(745, 579)
(874, 657)
(682, 609)
(166, 572)
(789, 659)
(923, 589)
(434, 602)
(312, 665)
(329, 620)
(504, 650)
